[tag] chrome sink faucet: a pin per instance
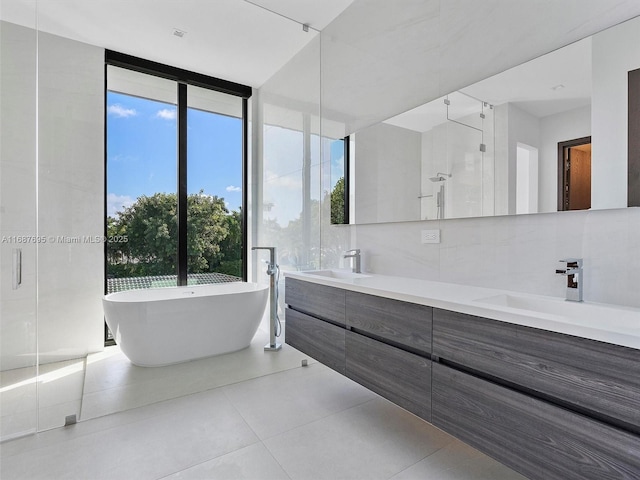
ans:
(355, 254)
(574, 275)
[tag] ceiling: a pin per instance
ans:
(381, 57)
(244, 41)
(550, 84)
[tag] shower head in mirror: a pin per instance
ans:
(440, 177)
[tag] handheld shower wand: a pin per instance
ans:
(273, 271)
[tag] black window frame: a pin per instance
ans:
(183, 78)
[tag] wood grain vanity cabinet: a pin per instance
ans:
(326, 303)
(320, 339)
(549, 405)
(405, 324)
(596, 378)
(532, 436)
(383, 344)
(388, 349)
(315, 321)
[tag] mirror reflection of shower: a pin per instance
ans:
(457, 138)
(440, 177)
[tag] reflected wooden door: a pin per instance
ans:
(574, 174)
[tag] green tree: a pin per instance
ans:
(337, 203)
(207, 227)
(150, 226)
(231, 246)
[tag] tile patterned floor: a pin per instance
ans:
(247, 415)
(113, 384)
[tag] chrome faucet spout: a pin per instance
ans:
(574, 274)
(355, 254)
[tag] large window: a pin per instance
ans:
(214, 183)
(175, 186)
(339, 156)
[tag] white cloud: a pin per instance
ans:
(117, 203)
(231, 188)
(167, 114)
(119, 111)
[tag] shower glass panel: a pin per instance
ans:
(70, 216)
(18, 227)
(458, 161)
(142, 231)
(464, 109)
(464, 190)
(214, 186)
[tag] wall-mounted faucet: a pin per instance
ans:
(355, 254)
(574, 275)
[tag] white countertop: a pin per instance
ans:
(603, 322)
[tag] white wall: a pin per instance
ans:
(527, 179)
(523, 128)
(517, 253)
(513, 126)
(615, 52)
(388, 167)
(70, 197)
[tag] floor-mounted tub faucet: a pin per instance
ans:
(355, 254)
(273, 272)
(574, 275)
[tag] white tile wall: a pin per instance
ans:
(17, 194)
(387, 179)
(71, 197)
(517, 253)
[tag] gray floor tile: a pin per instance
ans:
(369, 441)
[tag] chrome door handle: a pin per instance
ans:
(17, 268)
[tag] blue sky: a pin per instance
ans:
(337, 161)
(142, 145)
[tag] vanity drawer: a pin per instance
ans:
(401, 323)
(314, 299)
(399, 376)
(597, 378)
(536, 438)
(319, 339)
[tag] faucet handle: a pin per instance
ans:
(577, 262)
(355, 250)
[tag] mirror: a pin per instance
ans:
(517, 142)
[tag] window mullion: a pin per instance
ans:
(182, 185)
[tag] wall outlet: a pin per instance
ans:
(430, 236)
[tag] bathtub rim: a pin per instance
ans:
(138, 294)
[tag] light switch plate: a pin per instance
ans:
(430, 236)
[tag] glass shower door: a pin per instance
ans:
(18, 229)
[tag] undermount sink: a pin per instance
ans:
(555, 306)
(341, 274)
(584, 313)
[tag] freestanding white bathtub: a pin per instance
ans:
(162, 326)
